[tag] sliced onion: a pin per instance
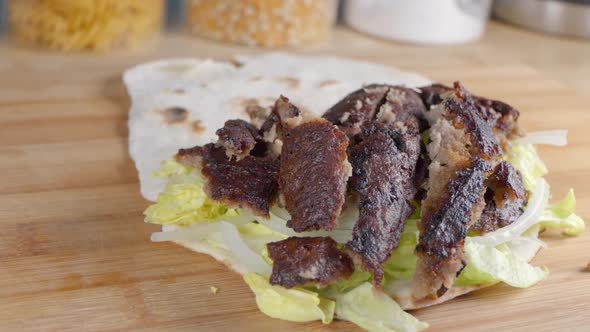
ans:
(526, 246)
(548, 137)
(531, 216)
(527, 240)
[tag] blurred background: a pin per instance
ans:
(550, 35)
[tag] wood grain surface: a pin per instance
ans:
(74, 251)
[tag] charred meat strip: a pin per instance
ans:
(238, 137)
(505, 199)
(432, 94)
(302, 260)
(383, 163)
(402, 103)
(313, 173)
(464, 151)
(360, 108)
(249, 183)
(443, 231)
(357, 108)
(462, 112)
(504, 116)
(284, 115)
(507, 117)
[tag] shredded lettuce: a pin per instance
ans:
(374, 310)
(425, 136)
(170, 168)
(488, 264)
(357, 278)
(295, 304)
(561, 216)
(184, 201)
(402, 262)
(525, 159)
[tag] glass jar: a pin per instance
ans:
(95, 25)
(420, 21)
(269, 23)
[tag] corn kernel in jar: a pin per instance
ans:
(270, 23)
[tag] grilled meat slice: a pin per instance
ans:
(302, 260)
(462, 111)
(506, 125)
(433, 94)
(239, 138)
(357, 108)
(505, 199)
(384, 165)
(443, 230)
(360, 107)
(250, 183)
(402, 103)
(284, 116)
(464, 151)
(313, 173)
(504, 116)
(459, 132)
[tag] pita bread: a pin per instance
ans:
(180, 103)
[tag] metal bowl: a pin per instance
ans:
(566, 17)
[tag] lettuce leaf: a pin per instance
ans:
(357, 278)
(184, 201)
(295, 304)
(230, 243)
(488, 264)
(402, 263)
(257, 236)
(374, 310)
(525, 159)
(561, 216)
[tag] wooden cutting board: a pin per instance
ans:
(74, 251)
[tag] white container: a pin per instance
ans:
(420, 21)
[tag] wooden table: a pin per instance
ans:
(74, 251)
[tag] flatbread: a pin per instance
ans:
(179, 103)
(526, 251)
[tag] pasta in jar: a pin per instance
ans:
(97, 25)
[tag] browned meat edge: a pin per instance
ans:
(463, 113)
(443, 231)
(313, 174)
(505, 199)
(302, 260)
(466, 155)
(249, 183)
(505, 117)
(239, 138)
(384, 166)
(360, 107)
